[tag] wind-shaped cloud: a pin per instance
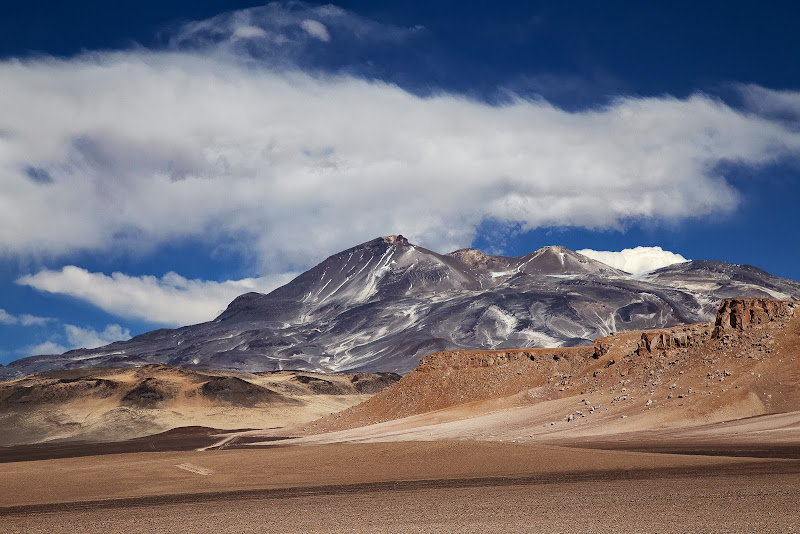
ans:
(283, 34)
(635, 260)
(170, 300)
(137, 148)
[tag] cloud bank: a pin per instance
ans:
(635, 260)
(136, 148)
(171, 300)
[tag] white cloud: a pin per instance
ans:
(7, 318)
(771, 102)
(170, 300)
(248, 32)
(75, 337)
(25, 319)
(302, 166)
(316, 29)
(89, 338)
(280, 33)
(48, 347)
(635, 260)
(133, 149)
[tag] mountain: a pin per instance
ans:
(384, 304)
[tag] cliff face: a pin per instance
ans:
(746, 362)
(739, 314)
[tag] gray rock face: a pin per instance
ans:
(383, 305)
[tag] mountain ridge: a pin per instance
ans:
(386, 303)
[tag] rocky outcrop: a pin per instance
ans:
(671, 339)
(476, 259)
(234, 390)
(740, 314)
(463, 359)
(396, 240)
(150, 392)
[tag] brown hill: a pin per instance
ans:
(745, 363)
(115, 404)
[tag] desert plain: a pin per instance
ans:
(693, 428)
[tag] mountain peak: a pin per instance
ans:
(556, 249)
(470, 256)
(559, 260)
(478, 260)
(397, 240)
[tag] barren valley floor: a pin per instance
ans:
(464, 486)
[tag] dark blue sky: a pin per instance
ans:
(632, 47)
(575, 56)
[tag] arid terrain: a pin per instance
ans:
(102, 405)
(693, 428)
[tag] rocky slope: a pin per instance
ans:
(383, 305)
(745, 363)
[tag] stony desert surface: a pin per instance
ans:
(693, 428)
(462, 486)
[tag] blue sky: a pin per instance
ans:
(159, 158)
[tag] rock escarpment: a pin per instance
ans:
(746, 362)
(739, 314)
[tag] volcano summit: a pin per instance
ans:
(385, 304)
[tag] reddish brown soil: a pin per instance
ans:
(746, 363)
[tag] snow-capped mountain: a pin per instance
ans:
(384, 304)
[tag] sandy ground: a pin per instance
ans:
(401, 487)
(136, 475)
(755, 503)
